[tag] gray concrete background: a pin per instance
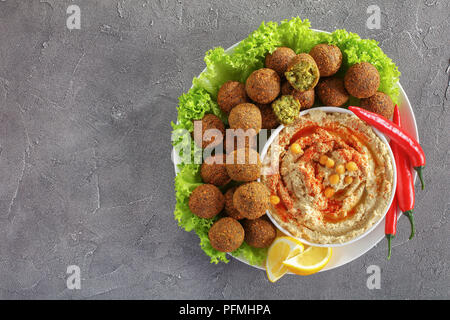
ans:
(86, 176)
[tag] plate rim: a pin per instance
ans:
(415, 134)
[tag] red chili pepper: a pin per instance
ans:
(390, 228)
(411, 147)
(405, 179)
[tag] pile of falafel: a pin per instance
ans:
(275, 94)
(241, 209)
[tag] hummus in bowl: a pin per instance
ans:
(335, 177)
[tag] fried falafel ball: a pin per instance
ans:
(302, 72)
(251, 200)
(286, 108)
(331, 91)
(263, 85)
(243, 165)
(259, 233)
(362, 80)
(209, 121)
(328, 58)
(230, 210)
(213, 170)
(206, 201)
(379, 103)
(237, 141)
(269, 119)
(226, 234)
(279, 60)
(306, 98)
(245, 116)
(230, 94)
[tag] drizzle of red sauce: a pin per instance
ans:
(332, 207)
(282, 211)
(302, 133)
(333, 219)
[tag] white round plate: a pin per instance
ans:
(347, 253)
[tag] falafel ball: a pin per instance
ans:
(362, 80)
(331, 92)
(251, 200)
(259, 233)
(269, 118)
(237, 140)
(230, 210)
(379, 103)
(243, 165)
(286, 108)
(213, 170)
(226, 234)
(245, 116)
(328, 58)
(279, 60)
(306, 98)
(302, 72)
(209, 121)
(230, 94)
(206, 201)
(263, 85)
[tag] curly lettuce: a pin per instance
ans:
(237, 65)
(185, 182)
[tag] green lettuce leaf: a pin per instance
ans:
(185, 182)
(297, 35)
(254, 256)
(193, 106)
(247, 57)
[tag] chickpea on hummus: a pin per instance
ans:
(334, 177)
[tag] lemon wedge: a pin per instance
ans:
(310, 261)
(281, 249)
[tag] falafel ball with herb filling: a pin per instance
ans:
(362, 80)
(286, 108)
(279, 59)
(259, 233)
(331, 91)
(230, 94)
(226, 234)
(213, 170)
(230, 210)
(243, 165)
(209, 121)
(252, 200)
(302, 72)
(268, 117)
(206, 201)
(327, 57)
(245, 116)
(379, 103)
(263, 85)
(306, 98)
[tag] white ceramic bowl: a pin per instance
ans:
(394, 183)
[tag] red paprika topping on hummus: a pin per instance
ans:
(335, 183)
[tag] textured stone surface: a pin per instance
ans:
(85, 151)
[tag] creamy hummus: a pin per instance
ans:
(334, 183)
